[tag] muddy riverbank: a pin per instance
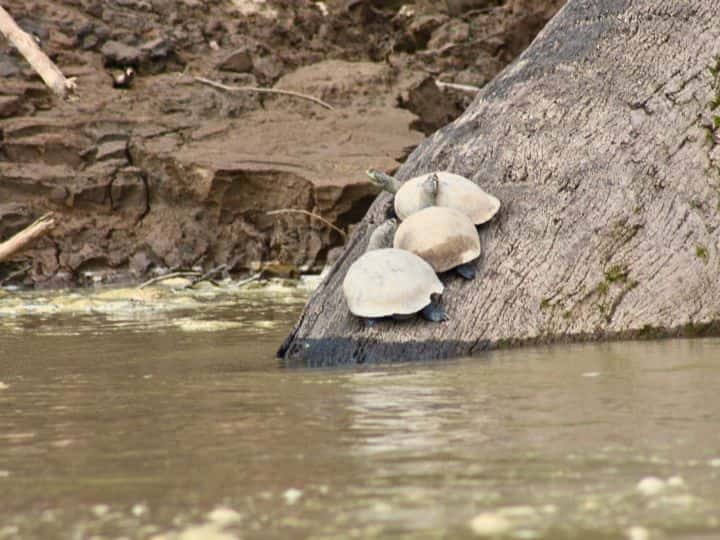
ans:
(169, 173)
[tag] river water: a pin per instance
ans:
(167, 425)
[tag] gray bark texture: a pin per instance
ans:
(601, 141)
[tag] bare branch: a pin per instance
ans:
(259, 90)
(305, 212)
(171, 275)
(28, 235)
(207, 276)
(25, 44)
(250, 279)
(454, 86)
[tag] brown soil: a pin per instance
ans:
(171, 173)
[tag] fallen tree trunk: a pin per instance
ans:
(601, 142)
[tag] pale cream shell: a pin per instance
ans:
(443, 236)
(454, 191)
(389, 281)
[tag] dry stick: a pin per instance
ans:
(263, 91)
(454, 86)
(12, 275)
(299, 211)
(26, 236)
(245, 281)
(39, 61)
(206, 276)
(167, 276)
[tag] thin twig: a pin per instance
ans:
(28, 235)
(12, 275)
(245, 281)
(454, 86)
(259, 90)
(305, 212)
(25, 44)
(206, 276)
(171, 275)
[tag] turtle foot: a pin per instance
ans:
(434, 312)
(466, 271)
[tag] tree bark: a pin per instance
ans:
(601, 143)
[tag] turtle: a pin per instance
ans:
(390, 282)
(453, 190)
(443, 236)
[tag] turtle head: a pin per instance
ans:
(429, 190)
(431, 185)
(383, 181)
(382, 236)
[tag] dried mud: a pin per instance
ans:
(170, 173)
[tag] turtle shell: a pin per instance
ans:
(385, 282)
(443, 236)
(454, 191)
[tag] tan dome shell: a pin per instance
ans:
(454, 191)
(443, 236)
(385, 282)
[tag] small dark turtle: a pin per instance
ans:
(123, 78)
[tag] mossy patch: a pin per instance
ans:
(701, 252)
(651, 332)
(709, 135)
(714, 68)
(612, 289)
(713, 125)
(602, 288)
(617, 272)
(714, 103)
(697, 330)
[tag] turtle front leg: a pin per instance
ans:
(434, 312)
(370, 321)
(466, 270)
(390, 210)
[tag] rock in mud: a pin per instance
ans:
(116, 54)
(240, 60)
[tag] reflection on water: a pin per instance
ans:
(132, 426)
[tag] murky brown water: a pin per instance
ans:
(135, 427)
